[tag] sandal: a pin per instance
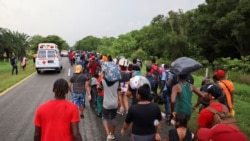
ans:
(82, 116)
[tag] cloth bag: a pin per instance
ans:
(111, 72)
(184, 65)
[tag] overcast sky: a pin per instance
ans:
(73, 20)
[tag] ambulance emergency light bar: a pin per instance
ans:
(47, 46)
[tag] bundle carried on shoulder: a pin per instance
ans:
(184, 65)
(111, 71)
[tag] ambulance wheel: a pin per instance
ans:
(58, 70)
(38, 71)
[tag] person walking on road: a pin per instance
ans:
(213, 92)
(145, 116)
(125, 77)
(79, 86)
(99, 100)
(110, 106)
(165, 92)
(110, 84)
(228, 88)
(71, 58)
(181, 97)
(157, 73)
(57, 119)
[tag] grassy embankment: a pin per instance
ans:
(242, 96)
(7, 79)
(241, 103)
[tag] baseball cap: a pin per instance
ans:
(78, 69)
(92, 57)
(214, 89)
(221, 132)
(220, 73)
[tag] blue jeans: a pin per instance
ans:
(166, 97)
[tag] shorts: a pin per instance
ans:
(79, 99)
(124, 88)
(142, 137)
(109, 114)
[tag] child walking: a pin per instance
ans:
(99, 99)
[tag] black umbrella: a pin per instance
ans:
(184, 65)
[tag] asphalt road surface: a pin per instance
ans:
(18, 105)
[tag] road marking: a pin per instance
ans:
(8, 89)
(69, 72)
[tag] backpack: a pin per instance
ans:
(221, 117)
(222, 99)
(111, 72)
(151, 80)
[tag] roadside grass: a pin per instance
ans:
(7, 79)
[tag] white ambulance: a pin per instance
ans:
(48, 58)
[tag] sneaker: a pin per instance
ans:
(113, 137)
(109, 138)
(120, 113)
(168, 119)
(99, 115)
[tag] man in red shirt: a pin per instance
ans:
(206, 116)
(157, 74)
(71, 58)
(57, 119)
(93, 65)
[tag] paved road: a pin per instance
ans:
(19, 104)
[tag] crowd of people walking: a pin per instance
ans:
(109, 85)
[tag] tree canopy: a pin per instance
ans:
(214, 30)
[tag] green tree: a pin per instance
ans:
(88, 43)
(13, 42)
(221, 27)
(35, 40)
(105, 46)
(124, 45)
(62, 44)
